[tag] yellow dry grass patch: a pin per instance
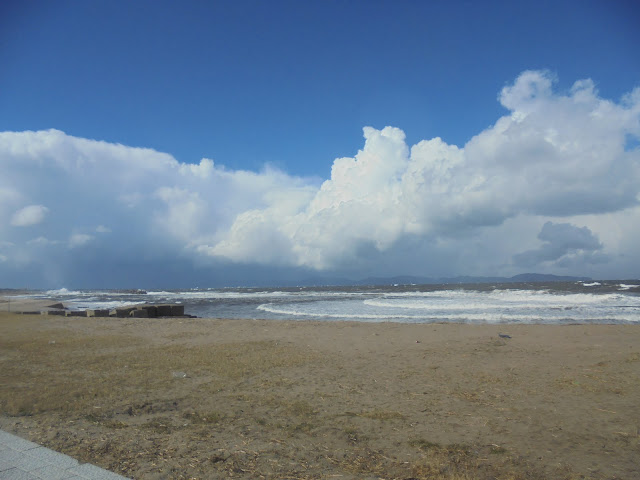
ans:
(155, 399)
(57, 370)
(378, 414)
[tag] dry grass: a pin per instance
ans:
(187, 406)
(596, 382)
(378, 415)
(64, 371)
(633, 357)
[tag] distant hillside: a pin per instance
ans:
(523, 277)
(541, 277)
(326, 281)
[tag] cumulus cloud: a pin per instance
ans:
(558, 157)
(553, 155)
(27, 216)
(203, 170)
(153, 208)
(79, 239)
(565, 244)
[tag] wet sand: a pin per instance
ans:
(206, 398)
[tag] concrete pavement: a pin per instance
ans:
(24, 460)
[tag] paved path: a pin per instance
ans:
(24, 460)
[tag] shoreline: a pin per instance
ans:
(56, 306)
(211, 398)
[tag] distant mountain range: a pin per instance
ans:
(415, 280)
(523, 277)
(328, 281)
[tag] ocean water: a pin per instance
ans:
(537, 303)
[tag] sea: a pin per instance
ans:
(605, 302)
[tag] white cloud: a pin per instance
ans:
(154, 206)
(203, 170)
(42, 241)
(553, 155)
(28, 216)
(436, 208)
(9, 199)
(527, 94)
(565, 245)
(79, 240)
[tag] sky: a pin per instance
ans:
(181, 144)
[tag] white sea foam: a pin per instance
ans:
(300, 311)
(512, 305)
(454, 299)
(98, 305)
(223, 294)
(496, 306)
(64, 292)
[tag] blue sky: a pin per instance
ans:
(293, 83)
(273, 93)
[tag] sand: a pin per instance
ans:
(12, 304)
(214, 398)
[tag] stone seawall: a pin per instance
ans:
(132, 311)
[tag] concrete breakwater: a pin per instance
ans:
(132, 311)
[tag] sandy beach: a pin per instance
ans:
(215, 398)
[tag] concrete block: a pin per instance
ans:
(177, 310)
(122, 312)
(164, 310)
(142, 313)
(75, 313)
(152, 310)
(97, 313)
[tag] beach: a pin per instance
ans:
(215, 398)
